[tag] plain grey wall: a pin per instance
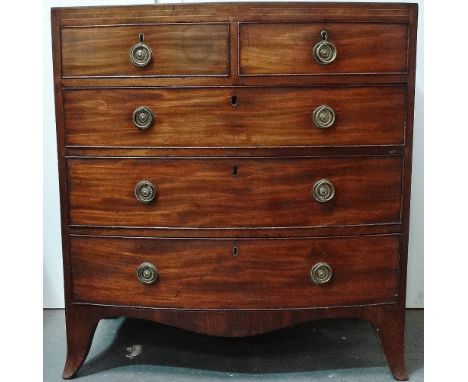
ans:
(52, 260)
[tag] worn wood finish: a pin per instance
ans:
(245, 232)
(323, 13)
(235, 323)
(218, 81)
(80, 332)
(390, 328)
(178, 50)
(265, 274)
(73, 353)
(217, 152)
(261, 117)
(286, 48)
(205, 193)
(382, 61)
(254, 11)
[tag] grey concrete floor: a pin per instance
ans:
(334, 350)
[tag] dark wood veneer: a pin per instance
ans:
(264, 274)
(262, 117)
(199, 192)
(233, 232)
(184, 49)
(285, 48)
(243, 49)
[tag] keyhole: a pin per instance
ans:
(234, 170)
(235, 251)
(234, 101)
(141, 36)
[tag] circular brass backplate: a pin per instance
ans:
(321, 273)
(140, 54)
(147, 273)
(143, 117)
(323, 117)
(145, 191)
(323, 191)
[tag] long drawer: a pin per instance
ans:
(234, 192)
(177, 49)
(226, 274)
(345, 48)
(207, 117)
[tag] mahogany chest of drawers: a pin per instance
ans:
(233, 169)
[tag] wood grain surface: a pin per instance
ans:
(286, 48)
(264, 192)
(244, 11)
(264, 274)
(178, 50)
(263, 117)
(203, 55)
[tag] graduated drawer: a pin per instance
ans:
(184, 49)
(260, 117)
(263, 273)
(287, 48)
(234, 192)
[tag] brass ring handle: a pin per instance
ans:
(323, 191)
(145, 191)
(143, 117)
(323, 117)
(140, 53)
(147, 273)
(324, 51)
(321, 273)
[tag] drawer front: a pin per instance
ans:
(264, 274)
(261, 117)
(234, 192)
(287, 48)
(177, 50)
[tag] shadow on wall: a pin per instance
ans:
(415, 288)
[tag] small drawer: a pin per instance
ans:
(146, 50)
(322, 48)
(234, 192)
(240, 274)
(235, 117)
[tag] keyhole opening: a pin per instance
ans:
(141, 36)
(234, 171)
(234, 101)
(235, 251)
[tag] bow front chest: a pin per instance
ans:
(233, 169)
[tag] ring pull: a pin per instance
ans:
(323, 117)
(321, 273)
(324, 51)
(143, 117)
(145, 192)
(147, 273)
(140, 53)
(323, 191)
